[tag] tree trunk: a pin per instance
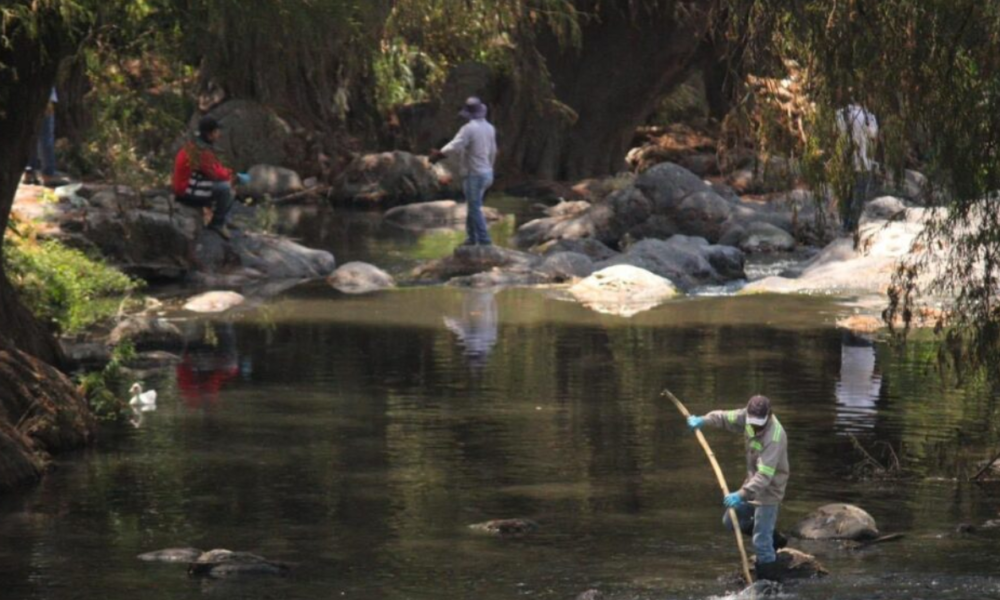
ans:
(630, 58)
(40, 410)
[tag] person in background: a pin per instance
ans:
(861, 128)
(756, 502)
(201, 180)
(476, 144)
(43, 153)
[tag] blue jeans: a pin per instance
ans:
(475, 186)
(761, 521)
(43, 154)
(221, 202)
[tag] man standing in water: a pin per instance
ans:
(476, 145)
(756, 502)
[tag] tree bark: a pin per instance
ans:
(40, 410)
(629, 59)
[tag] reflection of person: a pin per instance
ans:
(859, 384)
(861, 128)
(476, 143)
(202, 373)
(756, 502)
(43, 153)
(200, 179)
(476, 328)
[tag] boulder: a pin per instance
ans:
(761, 237)
(213, 302)
(796, 564)
(172, 555)
(145, 243)
(623, 290)
(837, 522)
(252, 134)
(702, 214)
(273, 181)
(593, 249)
(147, 333)
(360, 278)
(506, 527)
(686, 261)
(225, 563)
(884, 208)
(387, 179)
(434, 215)
(667, 185)
(565, 266)
(263, 256)
(469, 260)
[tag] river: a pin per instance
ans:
(358, 437)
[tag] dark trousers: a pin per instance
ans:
(221, 202)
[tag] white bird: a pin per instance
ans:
(143, 401)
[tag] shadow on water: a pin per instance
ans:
(357, 437)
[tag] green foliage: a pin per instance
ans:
(63, 285)
(99, 386)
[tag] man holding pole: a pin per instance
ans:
(756, 502)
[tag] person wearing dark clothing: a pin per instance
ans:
(201, 180)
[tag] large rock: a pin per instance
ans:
(213, 302)
(252, 134)
(837, 522)
(763, 237)
(260, 256)
(469, 260)
(842, 268)
(686, 261)
(147, 333)
(623, 290)
(565, 266)
(360, 278)
(438, 214)
(388, 179)
(273, 181)
(593, 249)
(148, 244)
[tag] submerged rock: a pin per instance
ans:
(837, 522)
(435, 215)
(221, 563)
(506, 527)
(469, 260)
(172, 555)
(213, 302)
(623, 290)
(360, 278)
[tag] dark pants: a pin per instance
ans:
(864, 187)
(43, 153)
(221, 202)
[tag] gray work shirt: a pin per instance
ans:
(767, 455)
(476, 142)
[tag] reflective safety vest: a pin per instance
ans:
(767, 455)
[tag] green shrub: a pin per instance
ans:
(63, 285)
(99, 386)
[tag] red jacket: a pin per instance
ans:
(208, 167)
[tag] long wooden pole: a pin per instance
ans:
(722, 483)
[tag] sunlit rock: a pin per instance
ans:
(623, 290)
(360, 278)
(172, 555)
(214, 302)
(837, 522)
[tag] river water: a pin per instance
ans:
(358, 437)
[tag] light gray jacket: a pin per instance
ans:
(767, 455)
(476, 142)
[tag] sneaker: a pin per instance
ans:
(772, 571)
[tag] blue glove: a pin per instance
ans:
(695, 422)
(243, 178)
(732, 500)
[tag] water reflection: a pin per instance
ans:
(858, 386)
(209, 366)
(476, 326)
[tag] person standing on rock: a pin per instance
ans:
(861, 128)
(201, 180)
(756, 502)
(476, 144)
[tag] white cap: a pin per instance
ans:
(757, 421)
